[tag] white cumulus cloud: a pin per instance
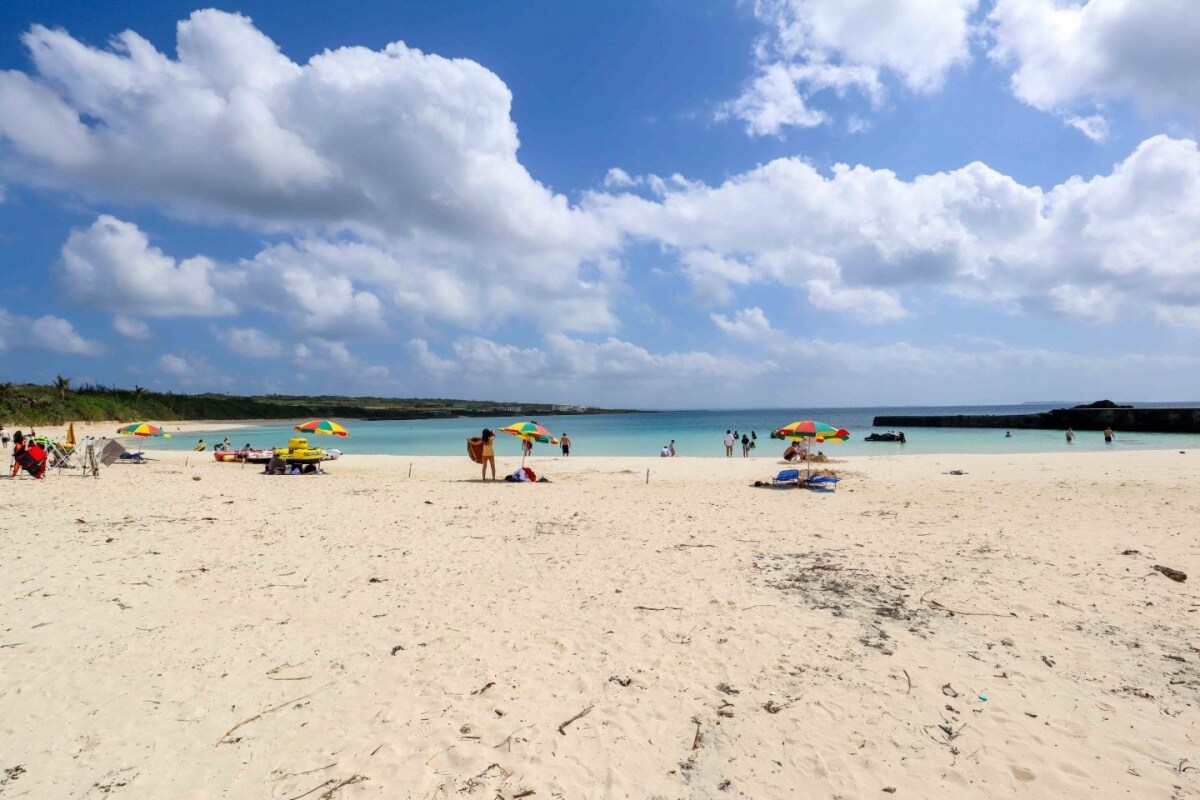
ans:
(609, 371)
(131, 328)
(47, 333)
(249, 342)
(842, 45)
(407, 154)
(111, 265)
(859, 240)
(1069, 54)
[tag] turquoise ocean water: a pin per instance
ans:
(696, 433)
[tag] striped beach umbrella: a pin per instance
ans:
(142, 429)
(324, 426)
(530, 432)
(810, 429)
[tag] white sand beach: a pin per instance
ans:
(197, 630)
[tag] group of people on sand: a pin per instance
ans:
(749, 441)
(488, 457)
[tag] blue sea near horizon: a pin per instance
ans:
(696, 433)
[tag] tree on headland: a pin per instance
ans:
(138, 393)
(5, 389)
(63, 385)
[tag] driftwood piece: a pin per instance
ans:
(948, 610)
(562, 728)
(262, 714)
(1173, 574)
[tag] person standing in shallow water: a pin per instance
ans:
(1108, 435)
(1070, 436)
(729, 440)
(565, 442)
(745, 446)
(489, 452)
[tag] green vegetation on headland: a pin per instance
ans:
(59, 403)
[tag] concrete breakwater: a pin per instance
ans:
(1142, 420)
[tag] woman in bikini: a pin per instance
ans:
(489, 453)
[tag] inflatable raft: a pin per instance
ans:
(298, 452)
(243, 456)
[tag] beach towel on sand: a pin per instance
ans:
(522, 475)
(475, 449)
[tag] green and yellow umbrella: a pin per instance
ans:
(142, 429)
(323, 426)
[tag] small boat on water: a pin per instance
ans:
(890, 436)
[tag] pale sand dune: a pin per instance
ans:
(366, 634)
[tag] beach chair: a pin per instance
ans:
(87, 456)
(32, 459)
(59, 455)
(820, 483)
(787, 477)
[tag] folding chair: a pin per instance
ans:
(87, 458)
(820, 483)
(59, 456)
(789, 477)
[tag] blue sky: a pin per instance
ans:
(656, 204)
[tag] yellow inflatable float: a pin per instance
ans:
(298, 451)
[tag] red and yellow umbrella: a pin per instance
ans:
(142, 429)
(325, 426)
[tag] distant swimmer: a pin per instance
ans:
(1070, 436)
(1108, 436)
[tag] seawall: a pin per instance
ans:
(1142, 420)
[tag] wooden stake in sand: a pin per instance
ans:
(647, 476)
(410, 469)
